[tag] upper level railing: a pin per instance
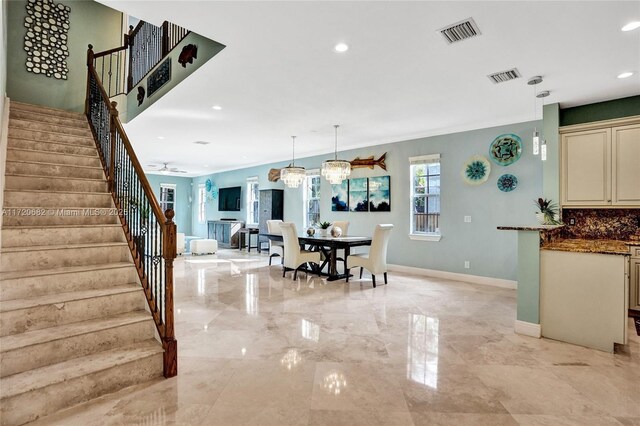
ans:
(148, 45)
(151, 234)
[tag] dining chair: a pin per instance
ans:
(376, 260)
(276, 248)
(344, 226)
(294, 257)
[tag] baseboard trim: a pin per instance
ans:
(528, 329)
(474, 279)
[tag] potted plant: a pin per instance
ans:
(547, 212)
(324, 226)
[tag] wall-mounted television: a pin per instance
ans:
(229, 199)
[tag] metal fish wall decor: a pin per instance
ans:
(369, 162)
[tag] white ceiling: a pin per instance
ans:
(279, 75)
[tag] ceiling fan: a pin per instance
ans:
(165, 170)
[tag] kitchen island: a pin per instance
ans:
(570, 289)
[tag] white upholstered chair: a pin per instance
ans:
(276, 248)
(376, 260)
(294, 257)
(344, 225)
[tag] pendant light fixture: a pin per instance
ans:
(536, 135)
(543, 142)
(335, 171)
(293, 176)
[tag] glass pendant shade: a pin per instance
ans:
(335, 171)
(536, 142)
(293, 176)
(543, 150)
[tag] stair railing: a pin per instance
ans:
(111, 66)
(148, 46)
(150, 233)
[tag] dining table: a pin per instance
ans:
(329, 247)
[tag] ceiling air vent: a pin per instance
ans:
(202, 142)
(502, 76)
(460, 31)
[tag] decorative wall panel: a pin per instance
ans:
(45, 41)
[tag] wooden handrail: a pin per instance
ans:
(134, 31)
(153, 201)
(128, 183)
(110, 51)
(155, 206)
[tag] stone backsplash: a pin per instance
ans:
(610, 224)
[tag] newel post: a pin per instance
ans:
(113, 117)
(89, 68)
(169, 254)
(165, 38)
(130, 59)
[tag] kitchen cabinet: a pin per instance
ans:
(599, 167)
(271, 207)
(584, 298)
(225, 232)
(625, 158)
(634, 278)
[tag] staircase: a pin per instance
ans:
(73, 324)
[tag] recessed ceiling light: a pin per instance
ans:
(341, 47)
(216, 107)
(206, 165)
(625, 75)
(631, 26)
(160, 137)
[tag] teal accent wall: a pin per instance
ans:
(491, 253)
(551, 167)
(183, 198)
(92, 23)
(616, 108)
(528, 295)
(207, 49)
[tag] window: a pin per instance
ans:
(312, 198)
(253, 201)
(425, 197)
(202, 198)
(167, 196)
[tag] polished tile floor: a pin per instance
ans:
(259, 349)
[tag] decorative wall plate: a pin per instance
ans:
(476, 170)
(506, 149)
(208, 185)
(507, 183)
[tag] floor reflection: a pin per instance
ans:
(291, 359)
(310, 330)
(201, 282)
(422, 350)
(251, 294)
(334, 383)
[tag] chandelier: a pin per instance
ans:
(335, 171)
(293, 176)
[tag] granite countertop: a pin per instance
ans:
(530, 228)
(591, 246)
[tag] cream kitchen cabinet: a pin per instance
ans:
(601, 167)
(634, 278)
(584, 298)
